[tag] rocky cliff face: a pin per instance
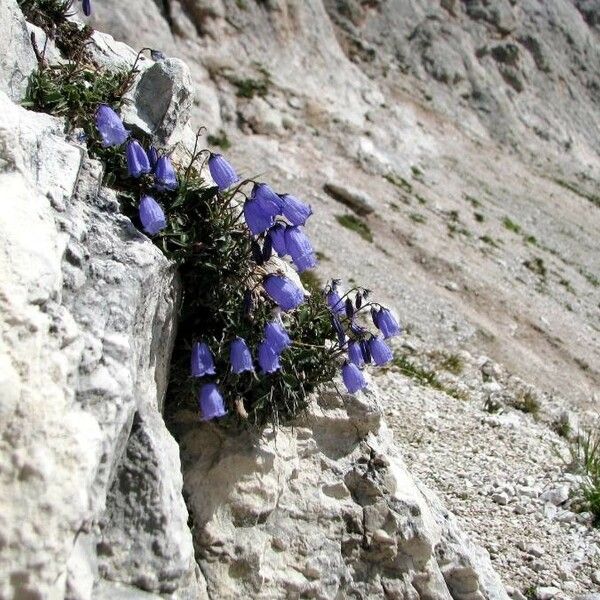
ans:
(402, 105)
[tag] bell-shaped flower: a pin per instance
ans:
(375, 316)
(358, 300)
(257, 220)
(387, 323)
(294, 210)
(240, 357)
(164, 174)
(354, 380)
(222, 173)
(268, 357)
(349, 307)
(380, 351)
(364, 347)
(152, 156)
(202, 360)
(296, 242)
(335, 302)
(211, 402)
(283, 291)
(339, 330)
(277, 236)
(355, 354)
(86, 5)
(137, 159)
(157, 55)
(269, 202)
(299, 248)
(110, 127)
(276, 336)
(152, 215)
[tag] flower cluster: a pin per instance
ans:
(277, 220)
(363, 347)
(273, 226)
(139, 163)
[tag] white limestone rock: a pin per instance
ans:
(87, 309)
(326, 509)
(17, 60)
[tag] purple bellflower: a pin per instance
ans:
(270, 203)
(277, 235)
(283, 291)
(157, 55)
(364, 347)
(240, 357)
(355, 354)
(300, 249)
(256, 219)
(375, 316)
(276, 336)
(164, 174)
(137, 159)
(335, 302)
(202, 360)
(294, 210)
(152, 156)
(353, 378)
(86, 5)
(339, 330)
(210, 401)
(222, 172)
(152, 215)
(110, 127)
(387, 323)
(268, 358)
(380, 352)
(262, 208)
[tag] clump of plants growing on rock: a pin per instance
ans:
(253, 342)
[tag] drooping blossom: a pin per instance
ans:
(152, 156)
(277, 336)
(202, 362)
(375, 316)
(137, 159)
(257, 220)
(364, 347)
(299, 248)
(164, 174)
(334, 301)
(110, 127)
(283, 291)
(380, 351)
(152, 215)
(268, 200)
(277, 236)
(387, 323)
(353, 378)
(222, 172)
(268, 357)
(294, 210)
(211, 402)
(355, 354)
(339, 330)
(240, 357)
